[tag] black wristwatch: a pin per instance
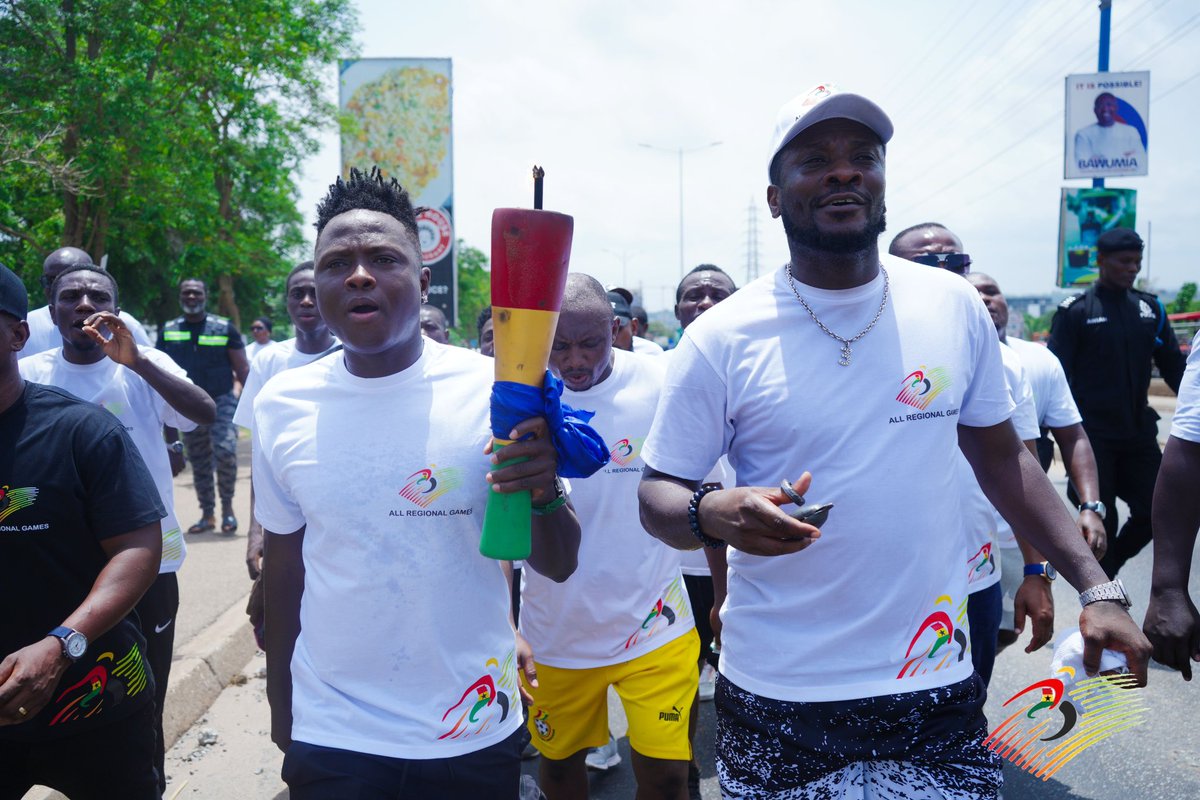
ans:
(175, 447)
(1095, 505)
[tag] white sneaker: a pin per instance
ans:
(603, 758)
(708, 683)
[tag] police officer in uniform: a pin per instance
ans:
(1106, 338)
(211, 349)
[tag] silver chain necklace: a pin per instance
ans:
(846, 352)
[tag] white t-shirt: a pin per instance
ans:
(142, 411)
(405, 648)
(878, 604)
(1052, 398)
(1186, 423)
(627, 596)
(267, 364)
(1114, 149)
(647, 347)
(986, 529)
(43, 335)
(253, 348)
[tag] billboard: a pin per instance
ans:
(397, 114)
(1084, 214)
(1107, 125)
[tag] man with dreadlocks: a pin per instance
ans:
(397, 675)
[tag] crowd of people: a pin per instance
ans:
(852, 643)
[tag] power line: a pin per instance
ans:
(1174, 36)
(929, 51)
(948, 124)
(1176, 87)
(1046, 162)
(962, 177)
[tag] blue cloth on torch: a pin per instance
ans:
(580, 449)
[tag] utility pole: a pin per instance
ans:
(751, 241)
(680, 152)
(1102, 61)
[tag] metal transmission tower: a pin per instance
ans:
(751, 241)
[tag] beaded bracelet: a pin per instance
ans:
(694, 516)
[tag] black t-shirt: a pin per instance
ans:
(71, 477)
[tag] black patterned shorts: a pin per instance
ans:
(924, 745)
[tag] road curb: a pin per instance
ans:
(203, 667)
(200, 669)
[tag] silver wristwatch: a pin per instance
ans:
(1113, 590)
(1095, 505)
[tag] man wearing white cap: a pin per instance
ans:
(844, 668)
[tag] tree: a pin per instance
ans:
(164, 134)
(474, 291)
(1183, 301)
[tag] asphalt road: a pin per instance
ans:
(1159, 759)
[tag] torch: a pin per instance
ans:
(531, 250)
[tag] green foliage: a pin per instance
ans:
(663, 331)
(164, 134)
(474, 291)
(1185, 300)
(1039, 324)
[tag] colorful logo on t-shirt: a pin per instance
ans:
(1098, 708)
(13, 500)
(86, 697)
(921, 386)
(487, 698)
(982, 564)
(427, 485)
(933, 645)
(667, 609)
(626, 451)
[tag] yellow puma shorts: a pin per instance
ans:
(570, 706)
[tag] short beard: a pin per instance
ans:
(198, 308)
(836, 243)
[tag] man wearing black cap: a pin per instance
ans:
(844, 658)
(80, 542)
(620, 300)
(1106, 338)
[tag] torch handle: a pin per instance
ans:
(506, 532)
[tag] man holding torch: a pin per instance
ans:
(392, 664)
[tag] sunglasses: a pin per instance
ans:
(959, 263)
(257, 328)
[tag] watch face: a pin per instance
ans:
(1051, 573)
(76, 645)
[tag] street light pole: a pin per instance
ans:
(680, 152)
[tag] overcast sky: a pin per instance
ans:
(975, 90)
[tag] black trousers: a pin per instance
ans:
(114, 761)
(1127, 469)
(157, 610)
(326, 773)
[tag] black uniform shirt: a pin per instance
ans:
(1106, 339)
(201, 348)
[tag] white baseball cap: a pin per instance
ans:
(822, 102)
